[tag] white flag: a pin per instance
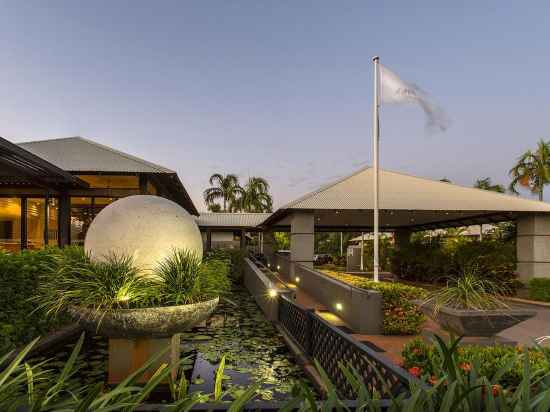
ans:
(395, 90)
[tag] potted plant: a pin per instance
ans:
(114, 298)
(472, 306)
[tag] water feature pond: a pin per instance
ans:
(254, 352)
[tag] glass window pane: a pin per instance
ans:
(111, 181)
(36, 218)
(10, 223)
(81, 217)
(53, 222)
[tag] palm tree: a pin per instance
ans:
(226, 188)
(214, 207)
(487, 184)
(532, 170)
(255, 197)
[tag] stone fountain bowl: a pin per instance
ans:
(156, 322)
(483, 323)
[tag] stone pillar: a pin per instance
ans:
(270, 246)
(208, 239)
(243, 240)
(302, 240)
(402, 238)
(533, 246)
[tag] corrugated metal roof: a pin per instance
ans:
(77, 154)
(231, 219)
(404, 192)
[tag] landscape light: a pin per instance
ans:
(268, 265)
(272, 293)
(297, 279)
(278, 267)
(339, 306)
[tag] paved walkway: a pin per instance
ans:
(525, 332)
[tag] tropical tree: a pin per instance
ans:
(532, 170)
(255, 196)
(487, 184)
(214, 207)
(225, 188)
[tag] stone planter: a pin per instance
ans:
(484, 323)
(156, 322)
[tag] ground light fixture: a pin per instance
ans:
(338, 306)
(297, 279)
(278, 267)
(272, 293)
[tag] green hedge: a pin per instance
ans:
(539, 289)
(235, 256)
(422, 359)
(19, 273)
(401, 316)
(437, 259)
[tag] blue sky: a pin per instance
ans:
(280, 89)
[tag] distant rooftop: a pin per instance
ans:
(77, 154)
(237, 220)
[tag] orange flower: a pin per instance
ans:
(432, 380)
(415, 371)
(496, 389)
(417, 351)
(465, 366)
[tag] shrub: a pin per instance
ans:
(539, 289)
(401, 316)
(19, 279)
(488, 360)
(236, 259)
(436, 259)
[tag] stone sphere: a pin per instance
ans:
(148, 228)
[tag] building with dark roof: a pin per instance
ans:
(50, 190)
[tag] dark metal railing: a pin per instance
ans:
(332, 347)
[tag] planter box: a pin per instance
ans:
(157, 322)
(476, 322)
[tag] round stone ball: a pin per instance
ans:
(148, 228)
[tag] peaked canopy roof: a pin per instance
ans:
(77, 154)
(405, 201)
(231, 220)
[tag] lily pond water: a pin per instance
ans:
(254, 352)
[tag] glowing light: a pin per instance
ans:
(278, 267)
(269, 265)
(297, 279)
(272, 293)
(339, 306)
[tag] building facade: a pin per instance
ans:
(51, 190)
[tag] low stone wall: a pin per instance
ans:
(281, 264)
(259, 285)
(361, 309)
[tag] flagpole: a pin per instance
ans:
(375, 140)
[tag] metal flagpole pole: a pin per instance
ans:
(362, 250)
(375, 140)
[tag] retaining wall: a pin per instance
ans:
(361, 309)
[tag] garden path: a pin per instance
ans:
(525, 332)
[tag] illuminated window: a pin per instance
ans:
(36, 221)
(81, 217)
(111, 181)
(53, 222)
(10, 223)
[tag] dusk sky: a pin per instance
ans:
(279, 89)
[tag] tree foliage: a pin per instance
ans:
(532, 170)
(254, 197)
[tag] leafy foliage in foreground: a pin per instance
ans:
(539, 289)
(19, 280)
(401, 316)
(455, 388)
(427, 360)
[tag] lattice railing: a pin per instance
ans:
(331, 347)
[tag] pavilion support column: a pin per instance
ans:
(533, 246)
(302, 240)
(208, 239)
(269, 246)
(243, 239)
(402, 238)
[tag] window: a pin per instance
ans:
(36, 222)
(111, 181)
(83, 211)
(53, 222)
(10, 223)
(81, 217)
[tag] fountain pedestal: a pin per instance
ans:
(128, 355)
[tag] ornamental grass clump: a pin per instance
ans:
(468, 292)
(114, 282)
